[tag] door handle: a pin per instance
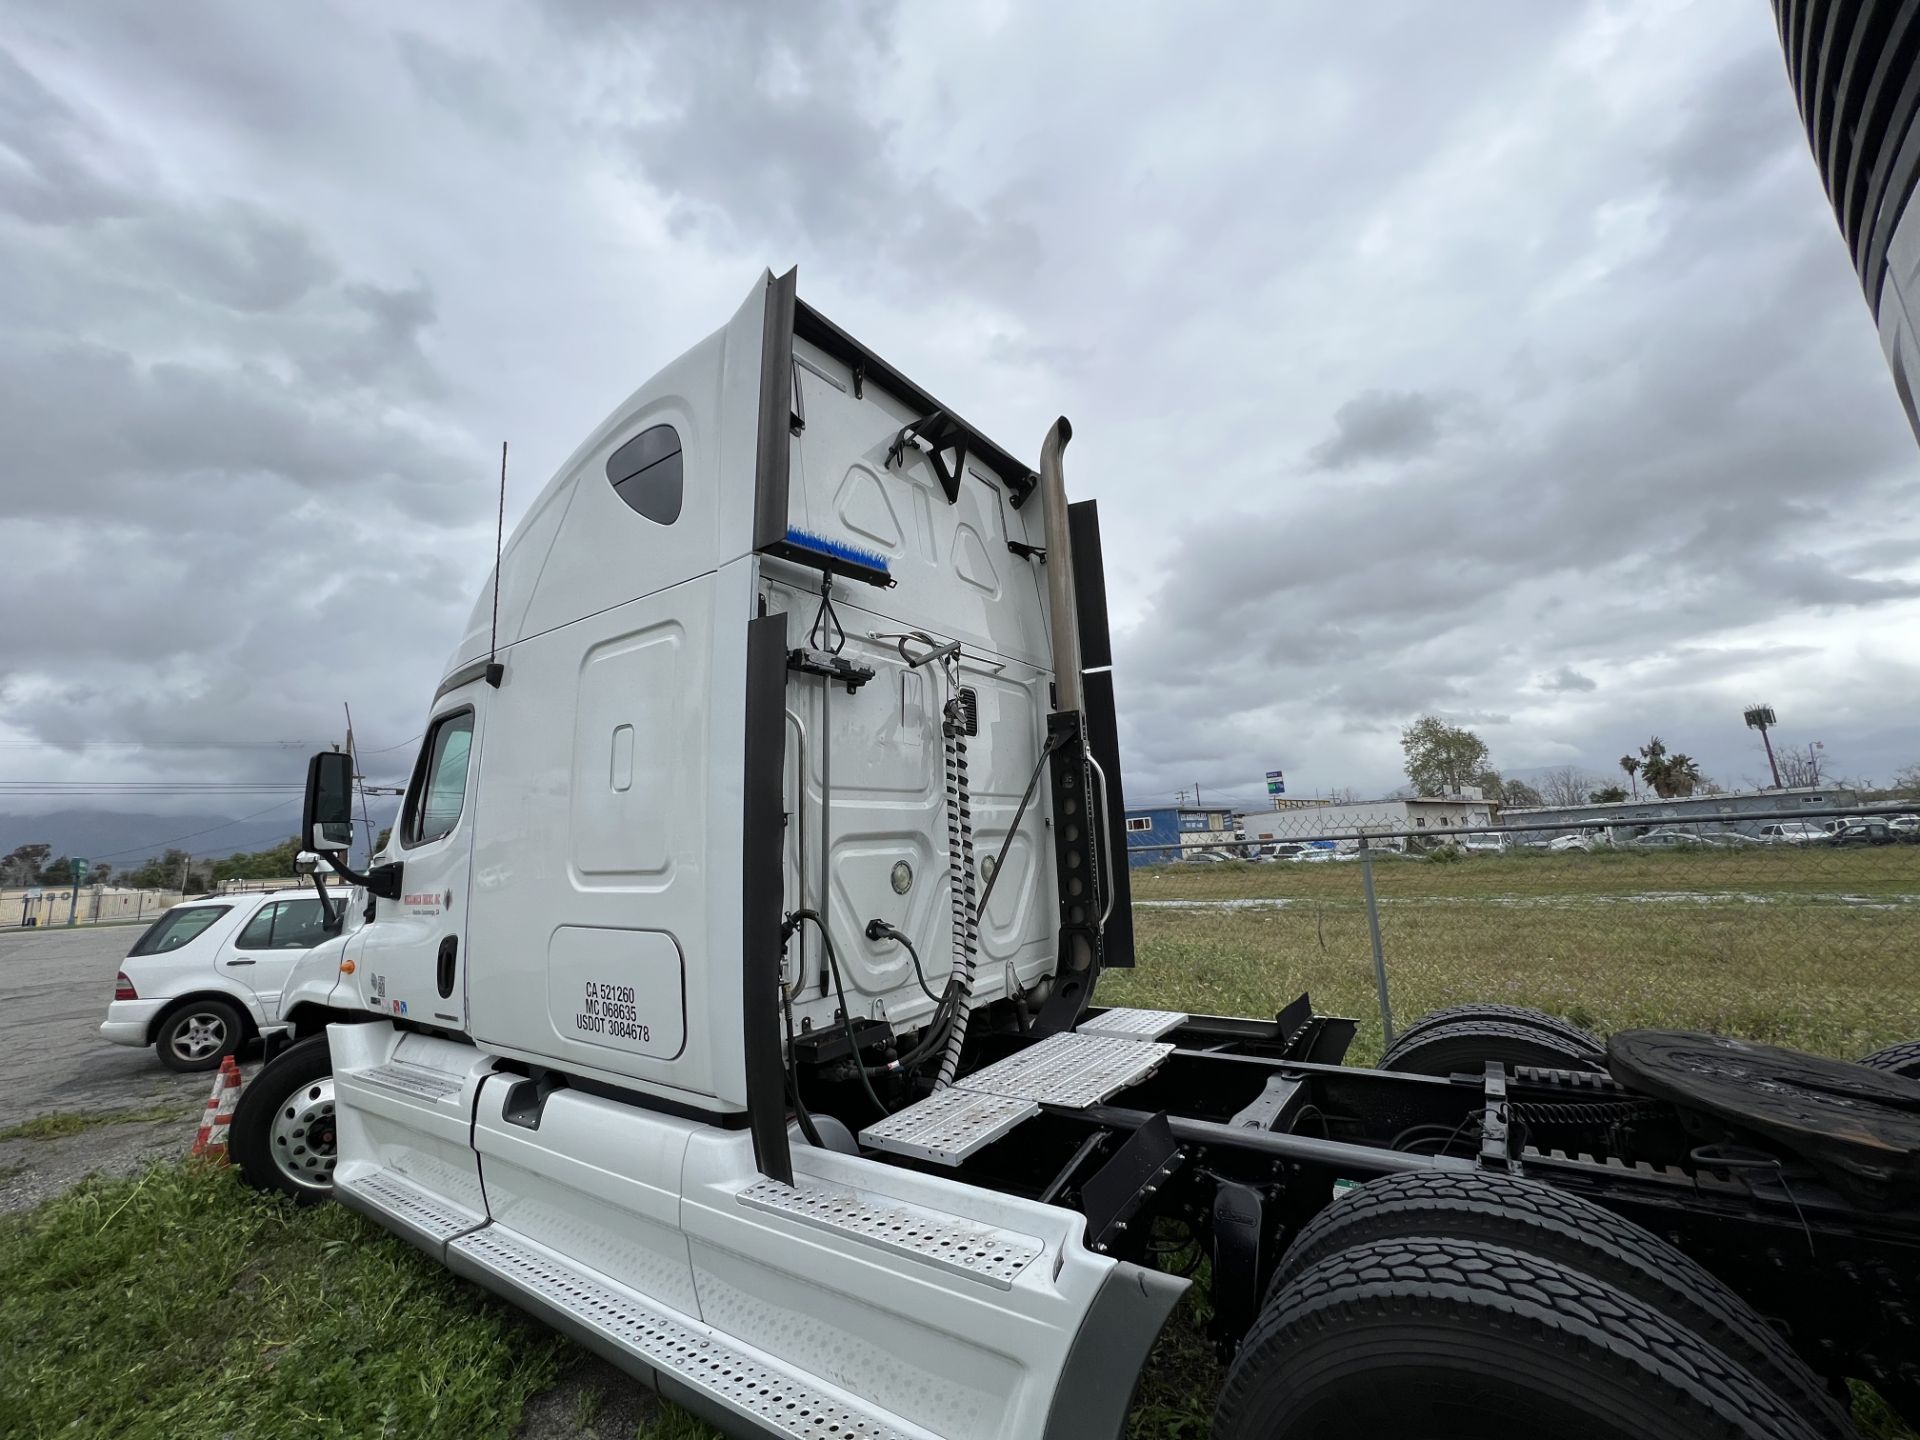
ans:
(443, 966)
(239, 962)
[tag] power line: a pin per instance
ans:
(160, 744)
(192, 834)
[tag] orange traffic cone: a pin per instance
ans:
(211, 1142)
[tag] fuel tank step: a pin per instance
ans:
(947, 1241)
(687, 1361)
(428, 1220)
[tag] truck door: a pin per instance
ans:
(262, 955)
(412, 962)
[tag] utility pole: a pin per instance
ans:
(1762, 718)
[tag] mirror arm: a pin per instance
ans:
(381, 880)
(335, 915)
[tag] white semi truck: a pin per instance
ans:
(724, 998)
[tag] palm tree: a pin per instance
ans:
(1683, 774)
(1631, 764)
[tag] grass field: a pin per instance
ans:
(179, 1304)
(1813, 949)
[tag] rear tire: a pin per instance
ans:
(1465, 1046)
(1583, 1237)
(1453, 1340)
(199, 1035)
(282, 1138)
(1902, 1059)
(1524, 1015)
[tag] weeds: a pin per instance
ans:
(72, 1122)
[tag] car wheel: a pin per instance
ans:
(199, 1035)
(283, 1135)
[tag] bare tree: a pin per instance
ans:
(1567, 785)
(1803, 766)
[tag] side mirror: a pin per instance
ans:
(326, 822)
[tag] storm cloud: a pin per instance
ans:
(1502, 363)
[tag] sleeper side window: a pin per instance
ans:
(647, 473)
(439, 789)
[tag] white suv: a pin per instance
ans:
(1793, 832)
(207, 974)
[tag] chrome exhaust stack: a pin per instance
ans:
(1061, 596)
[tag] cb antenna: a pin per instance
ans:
(494, 668)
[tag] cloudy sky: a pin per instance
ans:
(1500, 360)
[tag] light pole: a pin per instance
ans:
(1761, 718)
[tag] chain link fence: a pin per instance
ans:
(1792, 928)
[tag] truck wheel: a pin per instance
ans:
(1454, 1340)
(282, 1136)
(1524, 1015)
(199, 1035)
(1583, 1237)
(1902, 1059)
(1467, 1045)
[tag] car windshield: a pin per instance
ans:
(177, 927)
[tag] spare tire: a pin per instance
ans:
(1506, 1015)
(1465, 1047)
(1902, 1059)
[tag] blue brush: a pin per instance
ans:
(835, 549)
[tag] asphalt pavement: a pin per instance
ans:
(54, 989)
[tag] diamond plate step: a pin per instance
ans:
(1071, 1070)
(949, 1125)
(426, 1214)
(416, 1080)
(1132, 1024)
(698, 1358)
(977, 1251)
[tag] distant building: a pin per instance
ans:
(1726, 812)
(1440, 815)
(1168, 831)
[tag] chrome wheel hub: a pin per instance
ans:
(302, 1139)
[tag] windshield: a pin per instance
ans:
(176, 928)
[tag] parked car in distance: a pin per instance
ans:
(1570, 842)
(1276, 850)
(206, 976)
(1865, 832)
(1312, 853)
(1205, 857)
(1792, 832)
(1908, 825)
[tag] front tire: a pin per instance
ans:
(1453, 1340)
(199, 1035)
(283, 1135)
